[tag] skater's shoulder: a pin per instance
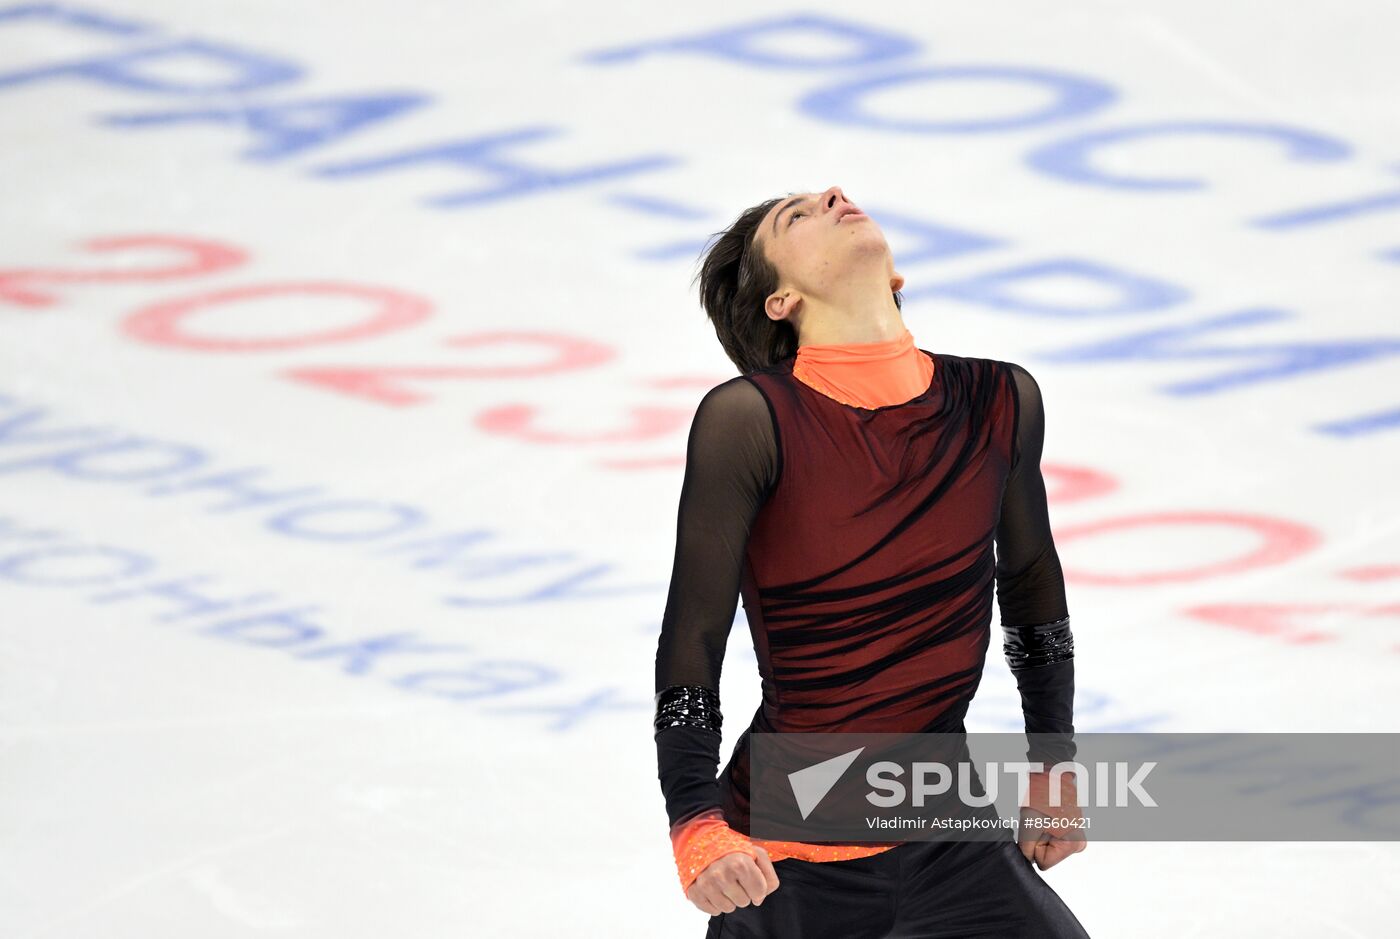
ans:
(737, 392)
(993, 368)
(735, 401)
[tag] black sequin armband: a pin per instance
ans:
(1034, 646)
(688, 706)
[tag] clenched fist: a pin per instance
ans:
(1050, 833)
(732, 881)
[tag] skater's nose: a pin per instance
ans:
(832, 199)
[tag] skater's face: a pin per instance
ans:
(821, 243)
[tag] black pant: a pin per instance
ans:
(917, 890)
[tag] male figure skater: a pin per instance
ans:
(864, 496)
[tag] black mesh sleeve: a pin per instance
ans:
(1030, 588)
(732, 463)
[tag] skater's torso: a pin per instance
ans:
(868, 578)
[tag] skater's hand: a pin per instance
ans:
(1049, 843)
(732, 881)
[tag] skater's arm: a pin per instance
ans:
(1030, 589)
(731, 466)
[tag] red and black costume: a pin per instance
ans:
(867, 545)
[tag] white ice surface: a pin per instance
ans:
(159, 778)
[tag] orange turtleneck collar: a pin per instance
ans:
(866, 374)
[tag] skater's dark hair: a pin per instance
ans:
(735, 278)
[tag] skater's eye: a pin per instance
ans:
(795, 213)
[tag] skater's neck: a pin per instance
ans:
(866, 374)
